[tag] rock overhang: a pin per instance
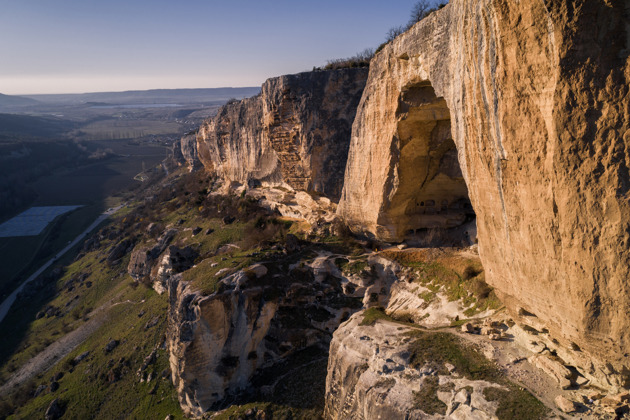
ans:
(535, 103)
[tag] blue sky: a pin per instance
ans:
(64, 46)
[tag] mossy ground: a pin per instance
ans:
(458, 277)
(371, 315)
(438, 348)
(426, 399)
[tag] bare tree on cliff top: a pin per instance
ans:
(419, 11)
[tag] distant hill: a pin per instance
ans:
(20, 127)
(155, 96)
(11, 101)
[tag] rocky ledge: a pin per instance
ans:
(295, 133)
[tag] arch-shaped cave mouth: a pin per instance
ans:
(431, 206)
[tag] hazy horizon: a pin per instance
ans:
(72, 46)
(127, 90)
(118, 91)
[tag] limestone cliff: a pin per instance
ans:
(188, 150)
(534, 96)
(296, 132)
(257, 317)
(216, 342)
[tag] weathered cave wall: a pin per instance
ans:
(537, 96)
(296, 132)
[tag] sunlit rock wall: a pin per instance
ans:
(537, 96)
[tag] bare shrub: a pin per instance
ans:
(361, 59)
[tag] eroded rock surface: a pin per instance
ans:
(188, 150)
(258, 317)
(370, 376)
(144, 257)
(173, 261)
(537, 98)
(295, 133)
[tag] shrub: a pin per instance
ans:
(361, 59)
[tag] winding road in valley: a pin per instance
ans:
(5, 306)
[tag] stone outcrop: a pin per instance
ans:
(370, 377)
(188, 149)
(144, 257)
(257, 317)
(184, 151)
(533, 96)
(295, 133)
(216, 343)
(173, 261)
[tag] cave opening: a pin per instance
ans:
(431, 205)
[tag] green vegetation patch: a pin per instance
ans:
(427, 296)
(371, 315)
(350, 267)
(440, 348)
(426, 399)
(459, 278)
(436, 349)
(515, 403)
(105, 384)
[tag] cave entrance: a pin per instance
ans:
(431, 206)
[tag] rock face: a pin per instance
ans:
(217, 343)
(188, 150)
(144, 257)
(173, 261)
(537, 98)
(296, 132)
(257, 317)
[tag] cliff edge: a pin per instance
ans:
(296, 133)
(533, 99)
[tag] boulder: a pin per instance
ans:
(54, 410)
(565, 404)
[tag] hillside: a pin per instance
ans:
(21, 127)
(154, 96)
(13, 101)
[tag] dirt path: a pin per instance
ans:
(54, 353)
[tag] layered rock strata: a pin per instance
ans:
(295, 133)
(537, 98)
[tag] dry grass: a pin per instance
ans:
(457, 274)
